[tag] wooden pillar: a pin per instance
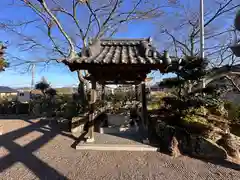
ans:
(103, 92)
(136, 92)
(144, 104)
(91, 112)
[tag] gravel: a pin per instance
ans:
(29, 150)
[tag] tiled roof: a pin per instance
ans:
(36, 91)
(120, 51)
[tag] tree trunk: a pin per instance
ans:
(81, 91)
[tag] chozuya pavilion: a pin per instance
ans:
(119, 61)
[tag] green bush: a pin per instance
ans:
(218, 109)
(202, 111)
(233, 111)
(156, 100)
(192, 118)
(153, 106)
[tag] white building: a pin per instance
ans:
(23, 96)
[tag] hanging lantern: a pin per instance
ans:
(237, 21)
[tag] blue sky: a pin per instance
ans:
(57, 74)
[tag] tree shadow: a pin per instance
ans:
(132, 136)
(24, 154)
(79, 139)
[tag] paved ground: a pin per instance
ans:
(28, 150)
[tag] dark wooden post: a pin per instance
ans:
(103, 92)
(136, 92)
(91, 112)
(144, 104)
(103, 95)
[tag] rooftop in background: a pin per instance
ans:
(5, 89)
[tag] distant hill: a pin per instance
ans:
(62, 90)
(23, 88)
(5, 89)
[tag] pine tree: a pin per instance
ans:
(43, 85)
(3, 63)
(189, 72)
(237, 21)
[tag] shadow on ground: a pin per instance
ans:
(153, 142)
(24, 154)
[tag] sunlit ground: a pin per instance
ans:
(29, 149)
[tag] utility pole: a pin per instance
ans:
(202, 34)
(32, 87)
(33, 76)
(202, 28)
(2, 53)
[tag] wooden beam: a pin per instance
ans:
(129, 67)
(117, 76)
(124, 78)
(144, 104)
(121, 75)
(119, 82)
(103, 92)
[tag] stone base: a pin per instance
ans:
(116, 142)
(146, 141)
(116, 147)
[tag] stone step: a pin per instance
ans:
(116, 147)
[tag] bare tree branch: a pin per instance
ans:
(72, 52)
(48, 25)
(219, 12)
(95, 16)
(179, 42)
(233, 83)
(100, 33)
